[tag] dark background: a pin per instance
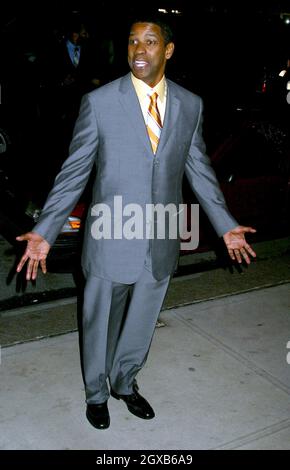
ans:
(221, 45)
(225, 50)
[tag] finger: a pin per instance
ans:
(21, 238)
(29, 269)
(34, 269)
(250, 250)
(245, 256)
(21, 263)
(238, 256)
(231, 253)
(249, 229)
(43, 266)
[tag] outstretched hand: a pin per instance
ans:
(36, 252)
(237, 246)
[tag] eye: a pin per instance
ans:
(151, 42)
(132, 42)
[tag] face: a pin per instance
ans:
(80, 37)
(83, 34)
(147, 52)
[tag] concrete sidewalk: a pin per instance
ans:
(217, 377)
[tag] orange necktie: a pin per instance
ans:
(154, 124)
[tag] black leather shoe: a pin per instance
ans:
(136, 404)
(98, 415)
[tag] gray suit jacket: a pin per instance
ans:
(110, 133)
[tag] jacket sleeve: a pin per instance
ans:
(73, 176)
(204, 184)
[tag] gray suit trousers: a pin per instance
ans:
(118, 326)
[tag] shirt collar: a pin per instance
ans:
(72, 46)
(143, 90)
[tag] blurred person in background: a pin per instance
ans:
(70, 68)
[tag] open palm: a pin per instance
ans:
(236, 244)
(36, 253)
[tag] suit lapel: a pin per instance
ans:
(132, 110)
(170, 118)
(131, 106)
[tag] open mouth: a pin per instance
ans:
(140, 64)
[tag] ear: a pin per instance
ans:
(169, 50)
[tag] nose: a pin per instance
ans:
(140, 48)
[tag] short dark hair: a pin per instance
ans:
(75, 22)
(166, 30)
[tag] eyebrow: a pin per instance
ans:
(153, 35)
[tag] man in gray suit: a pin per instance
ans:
(142, 165)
